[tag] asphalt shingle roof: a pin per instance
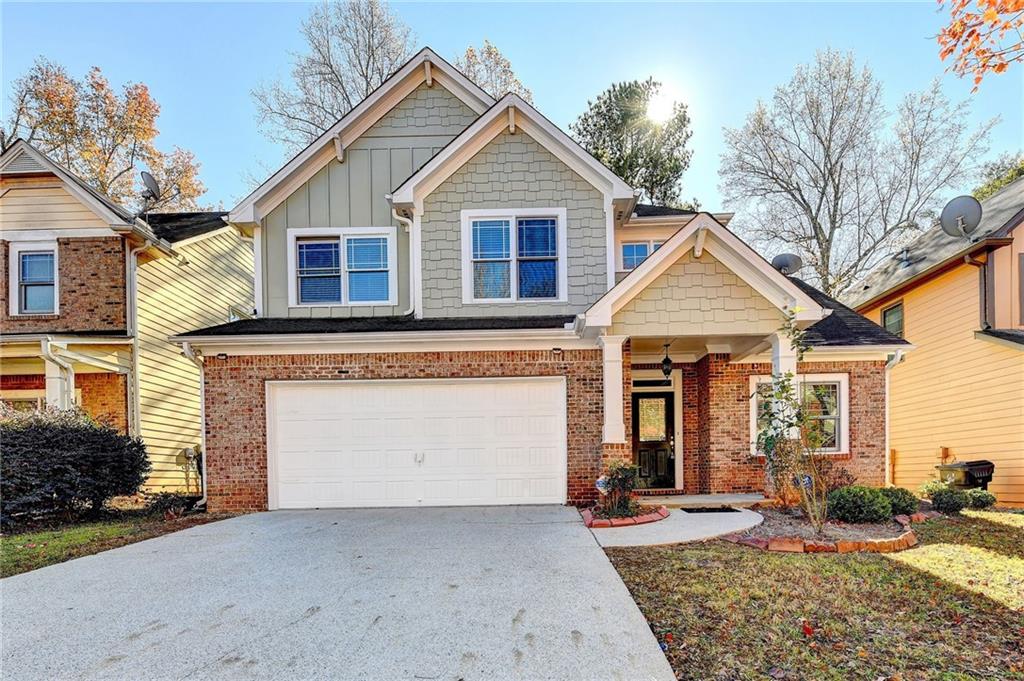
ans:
(175, 227)
(277, 325)
(646, 210)
(844, 326)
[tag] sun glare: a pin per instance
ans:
(659, 108)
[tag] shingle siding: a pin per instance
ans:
(512, 171)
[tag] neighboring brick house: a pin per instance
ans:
(456, 304)
(89, 294)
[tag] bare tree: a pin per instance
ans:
(352, 47)
(822, 170)
(492, 71)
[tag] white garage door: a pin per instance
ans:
(416, 443)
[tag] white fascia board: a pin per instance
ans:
(834, 353)
(356, 122)
(203, 237)
(726, 247)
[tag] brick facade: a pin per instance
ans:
(91, 296)
(104, 396)
(236, 447)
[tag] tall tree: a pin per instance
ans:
(998, 173)
(351, 48)
(492, 71)
(649, 155)
(983, 36)
(824, 171)
(99, 134)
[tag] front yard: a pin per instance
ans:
(31, 550)
(952, 608)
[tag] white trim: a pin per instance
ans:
(271, 404)
(15, 248)
(833, 353)
(367, 112)
(257, 256)
(416, 263)
(842, 379)
(650, 243)
(467, 217)
(676, 388)
(614, 429)
(54, 234)
(203, 237)
(342, 234)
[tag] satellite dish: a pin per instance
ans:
(152, 191)
(787, 263)
(961, 216)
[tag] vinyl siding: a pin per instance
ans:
(29, 206)
(512, 171)
(352, 194)
(172, 299)
(954, 390)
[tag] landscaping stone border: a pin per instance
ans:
(798, 545)
(654, 516)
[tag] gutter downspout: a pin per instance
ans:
(412, 280)
(65, 367)
(983, 271)
(196, 358)
(896, 358)
(132, 322)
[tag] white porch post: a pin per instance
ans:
(614, 431)
(60, 385)
(784, 362)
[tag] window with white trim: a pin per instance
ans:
(635, 252)
(825, 399)
(342, 266)
(514, 255)
(32, 281)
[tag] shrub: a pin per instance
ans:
(859, 504)
(931, 487)
(617, 487)
(980, 498)
(903, 501)
(62, 461)
(950, 500)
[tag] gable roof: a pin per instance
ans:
(704, 232)
(843, 327)
(178, 227)
(511, 112)
(424, 65)
(22, 159)
(933, 250)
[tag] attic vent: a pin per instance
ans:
(23, 163)
(903, 257)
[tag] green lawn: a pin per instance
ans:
(953, 608)
(32, 550)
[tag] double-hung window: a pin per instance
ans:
(33, 278)
(825, 403)
(514, 255)
(343, 266)
(635, 252)
(892, 319)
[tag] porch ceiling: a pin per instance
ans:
(682, 347)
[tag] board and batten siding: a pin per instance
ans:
(172, 299)
(352, 194)
(954, 390)
(512, 171)
(29, 204)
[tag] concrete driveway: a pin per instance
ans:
(475, 593)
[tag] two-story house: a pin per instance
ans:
(89, 294)
(457, 304)
(960, 300)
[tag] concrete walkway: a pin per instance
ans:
(431, 593)
(679, 527)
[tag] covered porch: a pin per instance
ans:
(92, 372)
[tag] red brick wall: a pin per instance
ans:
(91, 296)
(105, 396)
(236, 408)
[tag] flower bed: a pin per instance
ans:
(654, 516)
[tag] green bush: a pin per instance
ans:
(859, 504)
(950, 500)
(617, 487)
(62, 462)
(931, 487)
(980, 498)
(903, 501)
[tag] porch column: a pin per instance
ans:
(614, 431)
(784, 362)
(60, 385)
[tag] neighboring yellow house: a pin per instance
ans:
(959, 395)
(89, 294)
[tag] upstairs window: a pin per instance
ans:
(343, 266)
(319, 272)
(37, 281)
(635, 252)
(892, 319)
(366, 260)
(514, 255)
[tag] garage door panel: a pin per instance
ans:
(410, 443)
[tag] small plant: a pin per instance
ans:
(950, 500)
(903, 501)
(980, 498)
(931, 487)
(616, 487)
(859, 504)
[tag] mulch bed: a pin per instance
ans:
(790, 523)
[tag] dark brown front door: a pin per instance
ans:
(654, 439)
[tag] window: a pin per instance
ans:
(36, 283)
(342, 266)
(892, 319)
(635, 252)
(514, 255)
(825, 401)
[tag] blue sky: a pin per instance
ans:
(200, 61)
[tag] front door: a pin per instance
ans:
(654, 449)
